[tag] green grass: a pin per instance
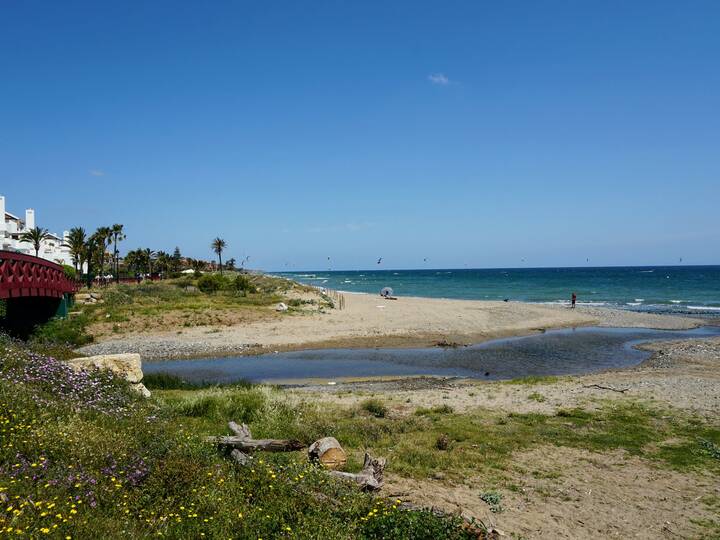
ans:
(68, 470)
(483, 441)
(166, 381)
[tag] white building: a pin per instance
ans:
(12, 227)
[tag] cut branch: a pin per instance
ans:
(371, 476)
(619, 390)
(241, 458)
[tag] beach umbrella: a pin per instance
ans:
(386, 291)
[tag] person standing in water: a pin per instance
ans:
(573, 299)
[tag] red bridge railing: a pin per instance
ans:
(25, 275)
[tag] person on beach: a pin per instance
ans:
(573, 299)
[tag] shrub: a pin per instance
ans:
(115, 298)
(390, 522)
(242, 284)
(210, 283)
(185, 282)
(441, 409)
(69, 271)
(69, 331)
(493, 499)
(375, 407)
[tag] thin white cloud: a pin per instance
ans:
(96, 172)
(439, 79)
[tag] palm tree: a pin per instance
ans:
(90, 254)
(35, 236)
(134, 260)
(76, 244)
(164, 262)
(102, 241)
(217, 246)
(117, 236)
(149, 256)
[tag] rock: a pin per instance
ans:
(127, 366)
(141, 389)
(281, 307)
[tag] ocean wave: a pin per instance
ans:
(633, 303)
(676, 301)
(704, 308)
(639, 299)
(646, 271)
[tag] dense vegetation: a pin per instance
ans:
(83, 457)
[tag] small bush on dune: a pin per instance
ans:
(71, 331)
(375, 407)
(243, 284)
(210, 283)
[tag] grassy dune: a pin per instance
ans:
(81, 456)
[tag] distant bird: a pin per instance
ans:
(425, 259)
(379, 260)
(680, 259)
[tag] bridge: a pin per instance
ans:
(32, 290)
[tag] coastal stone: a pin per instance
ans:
(281, 307)
(127, 366)
(141, 389)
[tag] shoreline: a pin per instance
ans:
(369, 321)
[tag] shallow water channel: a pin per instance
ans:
(554, 352)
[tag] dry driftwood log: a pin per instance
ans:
(242, 440)
(328, 452)
(371, 476)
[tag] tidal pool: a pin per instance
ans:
(554, 352)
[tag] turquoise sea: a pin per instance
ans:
(676, 289)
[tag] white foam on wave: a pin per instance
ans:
(639, 299)
(676, 301)
(704, 308)
(633, 303)
(646, 271)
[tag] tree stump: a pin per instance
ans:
(328, 452)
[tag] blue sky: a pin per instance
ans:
(471, 133)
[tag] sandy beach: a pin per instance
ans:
(371, 321)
